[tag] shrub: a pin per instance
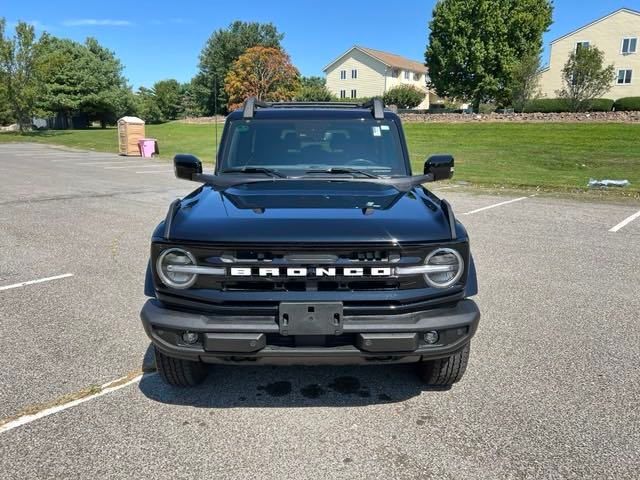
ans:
(601, 105)
(628, 104)
(560, 105)
(487, 108)
(547, 105)
(404, 96)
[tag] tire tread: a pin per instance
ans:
(178, 372)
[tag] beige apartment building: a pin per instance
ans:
(364, 72)
(618, 36)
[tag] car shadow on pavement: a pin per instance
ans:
(242, 386)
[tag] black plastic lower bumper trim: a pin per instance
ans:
(389, 338)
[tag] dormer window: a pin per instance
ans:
(629, 45)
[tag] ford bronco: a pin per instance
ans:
(311, 243)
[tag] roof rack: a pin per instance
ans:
(251, 104)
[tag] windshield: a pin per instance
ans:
(299, 147)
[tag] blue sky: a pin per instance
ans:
(162, 39)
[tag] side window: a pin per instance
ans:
(354, 73)
(343, 74)
(624, 76)
(629, 45)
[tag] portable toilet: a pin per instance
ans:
(130, 132)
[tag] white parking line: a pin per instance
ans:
(103, 390)
(625, 222)
(32, 282)
(157, 171)
(139, 166)
(495, 205)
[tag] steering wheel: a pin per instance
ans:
(361, 161)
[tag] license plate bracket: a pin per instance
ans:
(318, 318)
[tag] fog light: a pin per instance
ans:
(431, 337)
(190, 337)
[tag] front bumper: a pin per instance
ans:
(363, 339)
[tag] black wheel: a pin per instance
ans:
(444, 372)
(178, 372)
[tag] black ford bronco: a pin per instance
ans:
(311, 243)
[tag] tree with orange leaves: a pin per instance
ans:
(264, 72)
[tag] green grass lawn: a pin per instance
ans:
(560, 157)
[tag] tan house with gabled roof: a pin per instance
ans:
(618, 36)
(365, 72)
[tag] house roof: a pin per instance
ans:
(388, 59)
(627, 10)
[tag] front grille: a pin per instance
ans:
(384, 293)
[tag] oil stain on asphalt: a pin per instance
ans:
(340, 385)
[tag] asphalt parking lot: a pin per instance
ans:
(552, 389)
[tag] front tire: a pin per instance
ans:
(178, 372)
(444, 372)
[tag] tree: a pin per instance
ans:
(473, 45)
(222, 49)
(189, 106)
(404, 96)
(525, 78)
(263, 72)
(147, 106)
(18, 72)
(82, 79)
(313, 89)
(168, 97)
(585, 78)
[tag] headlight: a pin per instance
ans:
(444, 267)
(176, 268)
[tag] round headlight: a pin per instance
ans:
(447, 268)
(173, 268)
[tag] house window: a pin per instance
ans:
(343, 94)
(629, 45)
(417, 77)
(406, 74)
(580, 45)
(354, 94)
(624, 76)
(354, 73)
(343, 74)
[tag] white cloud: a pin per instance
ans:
(97, 22)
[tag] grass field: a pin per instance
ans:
(560, 157)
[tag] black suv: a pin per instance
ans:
(311, 243)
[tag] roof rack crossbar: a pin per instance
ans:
(252, 103)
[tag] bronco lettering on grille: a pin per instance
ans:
(311, 272)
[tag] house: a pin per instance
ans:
(617, 35)
(364, 72)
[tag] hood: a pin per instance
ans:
(322, 211)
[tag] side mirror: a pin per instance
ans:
(440, 166)
(186, 166)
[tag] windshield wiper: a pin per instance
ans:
(343, 170)
(265, 170)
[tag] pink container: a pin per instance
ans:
(147, 147)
